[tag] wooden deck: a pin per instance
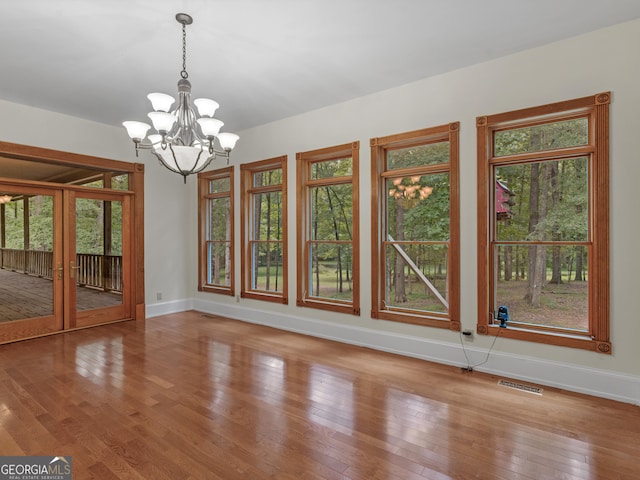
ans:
(26, 296)
(195, 396)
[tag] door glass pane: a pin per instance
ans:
(98, 269)
(26, 256)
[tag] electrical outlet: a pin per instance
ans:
(159, 296)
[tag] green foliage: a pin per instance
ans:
(89, 225)
(566, 216)
(418, 156)
(90, 218)
(548, 136)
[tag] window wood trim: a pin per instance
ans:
(247, 171)
(304, 160)
(203, 196)
(596, 108)
(379, 145)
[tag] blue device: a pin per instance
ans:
(503, 316)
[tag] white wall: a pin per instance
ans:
(581, 66)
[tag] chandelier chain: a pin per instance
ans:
(184, 73)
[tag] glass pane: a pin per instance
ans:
(120, 182)
(220, 185)
(266, 266)
(98, 271)
(417, 277)
(331, 271)
(26, 274)
(219, 227)
(219, 263)
(544, 201)
(267, 178)
(421, 155)
(89, 226)
(331, 212)
(14, 222)
(418, 207)
(543, 285)
(267, 216)
(94, 184)
(332, 168)
(550, 136)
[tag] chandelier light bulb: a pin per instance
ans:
(228, 141)
(161, 102)
(206, 107)
(136, 130)
(162, 121)
(210, 126)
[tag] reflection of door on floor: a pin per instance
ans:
(64, 259)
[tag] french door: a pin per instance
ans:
(65, 258)
(96, 258)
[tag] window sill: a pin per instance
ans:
(585, 342)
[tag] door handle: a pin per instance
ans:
(72, 269)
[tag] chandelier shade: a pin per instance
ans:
(183, 141)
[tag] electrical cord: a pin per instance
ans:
(469, 367)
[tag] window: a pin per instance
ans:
(215, 191)
(328, 236)
(543, 233)
(264, 230)
(415, 228)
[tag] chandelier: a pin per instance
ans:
(184, 142)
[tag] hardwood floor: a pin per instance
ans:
(194, 396)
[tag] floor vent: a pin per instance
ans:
(520, 386)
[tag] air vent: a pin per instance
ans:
(520, 386)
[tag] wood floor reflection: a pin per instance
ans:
(194, 396)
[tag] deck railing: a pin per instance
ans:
(99, 271)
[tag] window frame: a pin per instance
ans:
(379, 174)
(204, 196)
(248, 189)
(304, 162)
(596, 109)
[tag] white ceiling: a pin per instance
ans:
(263, 60)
